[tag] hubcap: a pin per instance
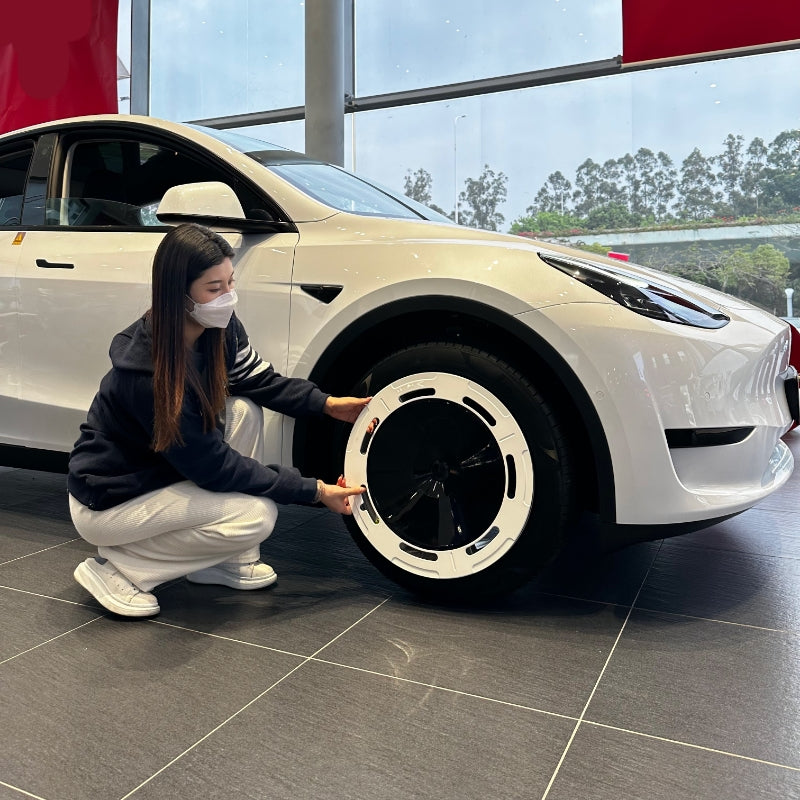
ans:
(436, 474)
(448, 474)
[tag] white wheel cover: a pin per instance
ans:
(510, 520)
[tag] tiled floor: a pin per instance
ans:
(666, 671)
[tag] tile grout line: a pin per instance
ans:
(443, 689)
(100, 611)
(43, 550)
(251, 702)
(693, 746)
(576, 598)
(21, 791)
(52, 639)
(599, 678)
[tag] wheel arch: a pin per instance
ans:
(416, 320)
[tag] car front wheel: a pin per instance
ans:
(467, 470)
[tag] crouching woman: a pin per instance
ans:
(166, 478)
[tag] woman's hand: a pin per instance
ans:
(346, 409)
(337, 498)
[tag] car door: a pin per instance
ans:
(15, 160)
(84, 274)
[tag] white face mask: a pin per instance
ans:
(217, 313)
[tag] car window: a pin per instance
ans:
(13, 172)
(120, 182)
(341, 190)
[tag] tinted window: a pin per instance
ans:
(119, 183)
(13, 172)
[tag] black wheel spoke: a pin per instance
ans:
(436, 474)
(407, 502)
(487, 456)
(447, 524)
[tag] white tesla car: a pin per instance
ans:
(515, 383)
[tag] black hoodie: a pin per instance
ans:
(113, 460)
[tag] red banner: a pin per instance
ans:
(57, 59)
(653, 29)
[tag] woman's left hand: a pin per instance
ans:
(346, 409)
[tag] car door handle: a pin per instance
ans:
(45, 264)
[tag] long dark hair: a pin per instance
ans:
(184, 254)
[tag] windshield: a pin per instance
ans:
(326, 183)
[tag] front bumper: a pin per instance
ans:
(646, 377)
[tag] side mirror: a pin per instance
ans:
(214, 204)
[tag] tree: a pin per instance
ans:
(784, 170)
(731, 173)
(480, 199)
(664, 183)
(418, 186)
(643, 182)
(754, 176)
(610, 216)
(697, 187)
(611, 188)
(632, 183)
(553, 196)
(758, 275)
(587, 180)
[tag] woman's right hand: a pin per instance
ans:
(337, 498)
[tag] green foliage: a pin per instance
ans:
(549, 223)
(758, 275)
(418, 186)
(610, 216)
(479, 201)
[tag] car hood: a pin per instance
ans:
(424, 232)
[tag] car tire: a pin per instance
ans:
(468, 473)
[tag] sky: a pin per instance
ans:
(212, 59)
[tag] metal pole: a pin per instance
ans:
(140, 57)
(455, 165)
(324, 60)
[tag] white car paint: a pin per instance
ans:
(640, 376)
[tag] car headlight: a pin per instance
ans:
(643, 296)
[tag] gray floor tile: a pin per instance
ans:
(758, 531)
(583, 572)
(547, 656)
(28, 621)
(93, 714)
(328, 732)
(24, 533)
(49, 571)
(324, 586)
(724, 585)
(45, 489)
(726, 687)
(604, 764)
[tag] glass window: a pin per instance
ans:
(602, 163)
(341, 190)
(13, 173)
(119, 183)
(290, 135)
(410, 44)
(215, 59)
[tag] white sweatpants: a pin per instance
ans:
(182, 528)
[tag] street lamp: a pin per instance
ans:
(455, 164)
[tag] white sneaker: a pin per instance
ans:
(114, 591)
(255, 575)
